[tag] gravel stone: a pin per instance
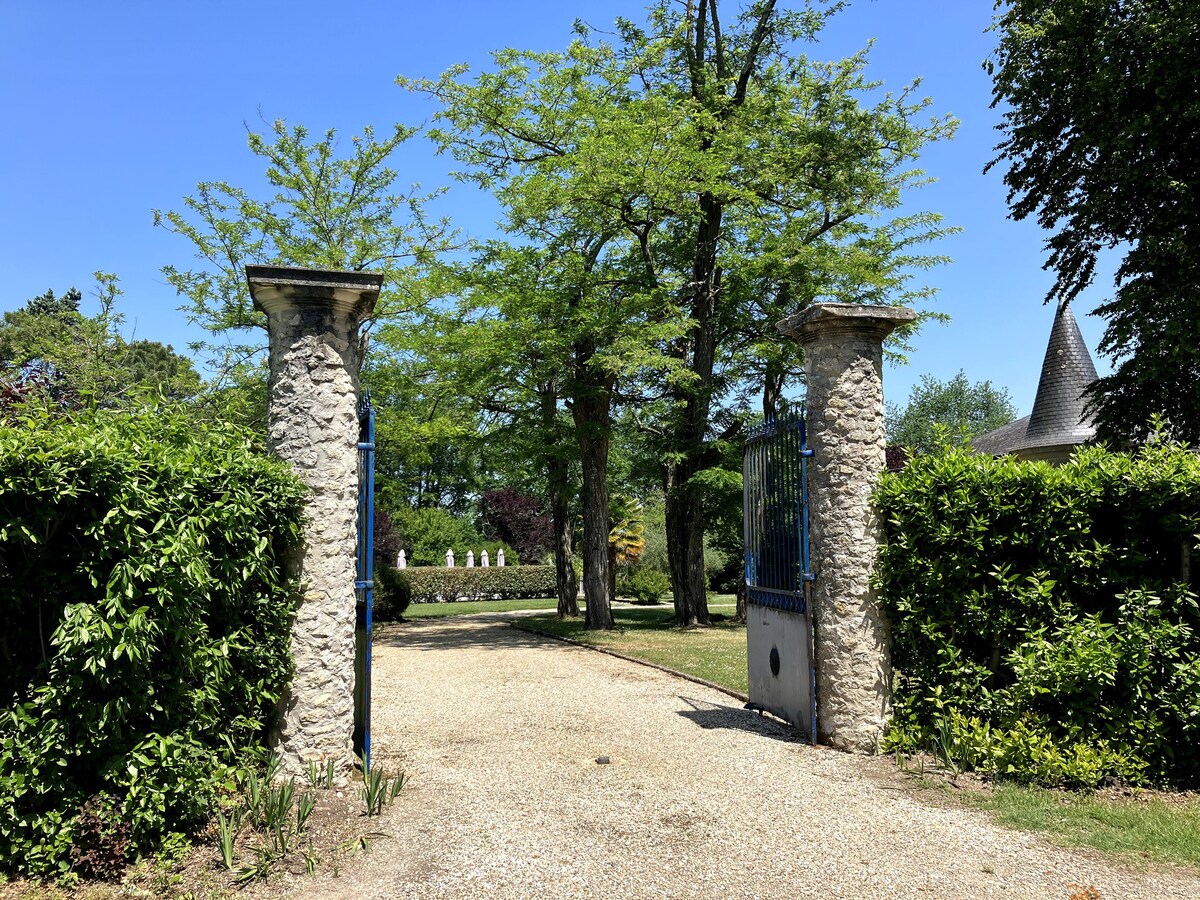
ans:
(500, 731)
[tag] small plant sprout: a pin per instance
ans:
(304, 808)
(277, 809)
(314, 774)
(227, 835)
(254, 799)
(377, 789)
(310, 860)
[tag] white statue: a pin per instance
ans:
(449, 559)
(401, 560)
(483, 559)
(500, 557)
(470, 559)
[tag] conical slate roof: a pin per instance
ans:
(1058, 409)
(1057, 422)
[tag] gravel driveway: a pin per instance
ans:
(500, 731)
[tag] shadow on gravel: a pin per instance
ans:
(714, 715)
(486, 631)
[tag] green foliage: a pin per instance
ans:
(153, 650)
(1043, 620)
(427, 533)
(73, 359)
(393, 593)
(378, 789)
(1101, 135)
(441, 585)
(673, 189)
(319, 206)
(646, 585)
(953, 411)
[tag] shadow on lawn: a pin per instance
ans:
(716, 715)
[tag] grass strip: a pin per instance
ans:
(1158, 827)
(714, 655)
(470, 607)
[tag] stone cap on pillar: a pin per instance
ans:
(859, 319)
(283, 287)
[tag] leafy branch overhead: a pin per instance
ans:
(328, 210)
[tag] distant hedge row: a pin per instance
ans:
(434, 584)
(1044, 621)
(143, 628)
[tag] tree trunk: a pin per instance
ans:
(564, 567)
(558, 482)
(685, 548)
(684, 508)
(591, 408)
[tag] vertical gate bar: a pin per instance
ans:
(365, 579)
(370, 574)
(747, 513)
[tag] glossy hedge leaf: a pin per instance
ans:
(143, 621)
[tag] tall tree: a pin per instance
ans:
(1101, 130)
(720, 158)
(955, 410)
(49, 346)
(327, 211)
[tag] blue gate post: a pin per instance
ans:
(364, 585)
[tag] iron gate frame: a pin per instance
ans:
(364, 584)
(778, 570)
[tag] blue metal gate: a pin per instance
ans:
(364, 584)
(778, 577)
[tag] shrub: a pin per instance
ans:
(393, 593)
(1044, 615)
(646, 585)
(439, 584)
(144, 612)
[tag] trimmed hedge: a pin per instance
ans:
(144, 627)
(434, 584)
(1043, 620)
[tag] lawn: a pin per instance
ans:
(1164, 827)
(716, 654)
(468, 607)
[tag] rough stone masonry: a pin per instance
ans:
(313, 317)
(843, 349)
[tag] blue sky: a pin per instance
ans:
(117, 109)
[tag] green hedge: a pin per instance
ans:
(143, 625)
(438, 584)
(1043, 622)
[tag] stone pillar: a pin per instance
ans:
(843, 349)
(312, 416)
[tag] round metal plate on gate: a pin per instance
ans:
(775, 661)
